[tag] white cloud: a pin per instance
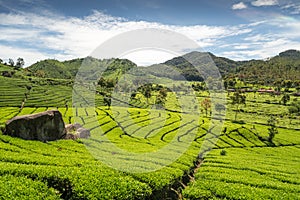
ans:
(30, 55)
(259, 3)
(239, 6)
(46, 35)
(261, 47)
(71, 37)
(292, 8)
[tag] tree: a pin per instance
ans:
(285, 98)
(11, 62)
(294, 109)
(161, 98)
(1, 61)
(220, 107)
(272, 128)
(237, 99)
(146, 91)
(107, 101)
(206, 104)
(20, 62)
(296, 104)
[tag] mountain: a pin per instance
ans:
(184, 67)
(285, 66)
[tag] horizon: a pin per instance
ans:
(126, 57)
(241, 30)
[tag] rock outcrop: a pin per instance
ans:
(75, 131)
(44, 126)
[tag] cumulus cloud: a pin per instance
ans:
(56, 36)
(259, 3)
(50, 35)
(239, 6)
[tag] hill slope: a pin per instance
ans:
(68, 69)
(285, 66)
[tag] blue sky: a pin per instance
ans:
(238, 29)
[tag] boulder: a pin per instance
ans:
(69, 128)
(72, 127)
(83, 133)
(75, 131)
(70, 136)
(44, 126)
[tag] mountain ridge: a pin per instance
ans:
(285, 65)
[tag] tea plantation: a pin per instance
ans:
(242, 164)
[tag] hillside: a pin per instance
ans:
(242, 162)
(171, 145)
(68, 69)
(285, 66)
(50, 69)
(274, 71)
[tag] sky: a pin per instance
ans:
(67, 29)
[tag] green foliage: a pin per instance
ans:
(206, 105)
(272, 128)
(295, 107)
(50, 69)
(236, 99)
(66, 169)
(223, 152)
(285, 98)
(11, 62)
(23, 188)
(20, 62)
(249, 173)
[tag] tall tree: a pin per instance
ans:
(107, 101)
(146, 91)
(20, 62)
(237, 99)
(161, 98)
(206, 105)
(272, 128)
(11, 62)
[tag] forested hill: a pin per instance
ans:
(68, 69)
(285, 66)
(184, 64)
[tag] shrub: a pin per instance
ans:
(223, 152)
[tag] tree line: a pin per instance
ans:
(19, 62)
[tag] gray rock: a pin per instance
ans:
(83, 133)
(77, 125)
(75, 131)
(45, 126)
(70, 136)
(69, 128)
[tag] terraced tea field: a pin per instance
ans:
(141, 153)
